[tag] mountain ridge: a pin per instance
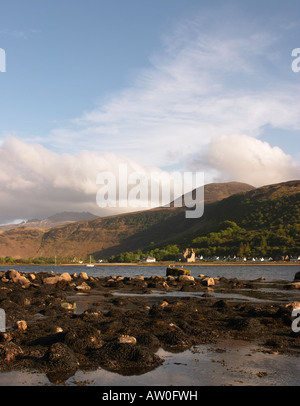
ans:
(106, 236)
(51, 221)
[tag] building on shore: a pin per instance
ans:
(188, 255)
(148, 259)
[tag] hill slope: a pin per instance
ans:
(253, 211)
(52, 221)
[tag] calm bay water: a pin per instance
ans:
(244, 272)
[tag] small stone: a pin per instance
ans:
(68, 306)
(21, 325)
(186, 278)
(293, 305)
(58, 330)
(124, 339)
(26, 302)
(83, 287)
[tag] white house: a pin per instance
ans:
(148, 259)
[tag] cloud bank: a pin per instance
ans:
(36, 182)
(245, 159)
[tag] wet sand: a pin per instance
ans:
(78, 329)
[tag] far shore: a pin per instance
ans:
(175, 264)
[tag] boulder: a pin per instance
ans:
(22, 280)
(84, 287)
(15, 277)
(68, 306)
(293, 285)
(53, 280)
(186, 278)
(61, 362)
(11, 274)
(83, 338)
(66, 277)
(297, 276)
(293, 305)
(83, 275)
(208, 281)
(177, 271)
(124, 339)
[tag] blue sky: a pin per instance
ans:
(171, 84)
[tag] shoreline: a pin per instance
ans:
(176, 264)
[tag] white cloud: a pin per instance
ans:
(36, 182)
(245, 159)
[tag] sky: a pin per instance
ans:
(156, 85)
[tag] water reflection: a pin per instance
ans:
(233, 362)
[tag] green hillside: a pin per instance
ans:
(260, 222)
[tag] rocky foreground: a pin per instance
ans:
(124, 324)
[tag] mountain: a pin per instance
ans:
(71, 216)
(213, 192)
(247, 213)
(52, 221)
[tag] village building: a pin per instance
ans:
(148, 259)
(188, 256)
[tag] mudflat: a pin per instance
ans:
(59, 323)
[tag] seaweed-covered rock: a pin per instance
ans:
(172, 271)
(149, 340)
(61, 362)
(249, 325)
(125, 357)
(83, 338)
(175, 338)
(9, 352)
